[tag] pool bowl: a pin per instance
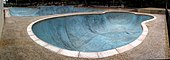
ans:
(90, 33)
(47, 10)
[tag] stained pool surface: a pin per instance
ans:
(47, 10)
(91, 33)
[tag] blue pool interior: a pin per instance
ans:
(91, 33)
(47, 10)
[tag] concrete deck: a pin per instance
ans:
(17, 45)
(152, 10)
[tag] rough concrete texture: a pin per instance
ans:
(152, 10)
(1, 18)
(17, 45)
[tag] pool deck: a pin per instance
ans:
(17, 45)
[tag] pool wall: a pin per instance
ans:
(101, 54)
(47, 10)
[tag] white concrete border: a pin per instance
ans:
(101, 54)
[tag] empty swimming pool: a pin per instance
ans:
(89, 32)
(47, 10)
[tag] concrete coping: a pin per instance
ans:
(80, 54)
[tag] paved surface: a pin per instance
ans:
(152, 10)
(17, 45)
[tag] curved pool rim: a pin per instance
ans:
(80, 54)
